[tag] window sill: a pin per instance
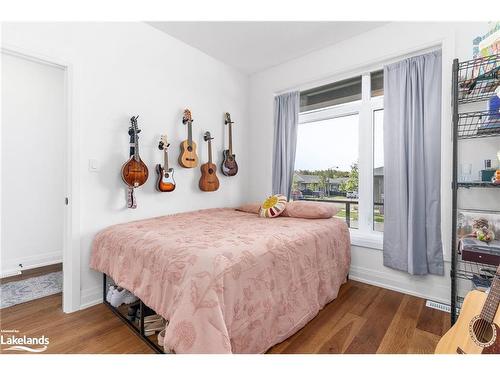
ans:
(371, 240)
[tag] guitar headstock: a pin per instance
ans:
(227, 118)
(207, 136)
(163, 144)
(133, 123)
(186, 118)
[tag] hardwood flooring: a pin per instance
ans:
(363, 319)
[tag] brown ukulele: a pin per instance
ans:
(477, 330)
(208, 179)
(188, 157)
(229, 166)
(134, 171)
(166, 180)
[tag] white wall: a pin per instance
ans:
(340, 61)
(124, 69)
(32, 154)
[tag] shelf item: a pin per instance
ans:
(480, 282)
(478, 125)
(474, 250)
(138, 322)
(466, 270)
(478, 79)
(478, 184)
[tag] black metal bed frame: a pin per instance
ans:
(139, 331)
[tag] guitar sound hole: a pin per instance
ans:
(483, 331)
(210, 170)
(190, 148)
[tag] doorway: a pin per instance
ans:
(34, 146)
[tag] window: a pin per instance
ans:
(336, 93)
(378, 170)
(327, 151)
(377, 83)
(339, 155)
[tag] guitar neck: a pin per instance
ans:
(210, 151)
(136, 146)
(493, 300)
(131, 145)
(165, 160)
(230, 138)
(190, 134)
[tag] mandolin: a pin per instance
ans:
(477, 330)
(134, 171)
(166, 180)
(208, 179)
(188, 157)
(229, 166)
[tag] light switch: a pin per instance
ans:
(93, 165)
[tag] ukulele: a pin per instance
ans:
(229, 166)
(166, 180)
(477, 330)
(134, 171)
(208, 179)
(188, 157)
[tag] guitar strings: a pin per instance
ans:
(485, 325)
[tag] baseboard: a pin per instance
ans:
(90, 297)
(35, 261)
(387, 281)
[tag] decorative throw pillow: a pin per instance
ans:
(310, 210)
(252, 208)
(273, 206)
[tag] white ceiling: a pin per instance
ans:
(254, 46)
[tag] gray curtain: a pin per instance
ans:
(286, 118)
(412, 170)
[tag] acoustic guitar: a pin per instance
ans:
(134, 171)
(209, 180)
(229, 166)
(477, 330)
(188, 157)
(165, 182)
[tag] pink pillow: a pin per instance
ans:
(310, 210)
(252, 208)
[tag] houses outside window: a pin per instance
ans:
(339, 156)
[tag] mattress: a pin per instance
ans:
(227, 281)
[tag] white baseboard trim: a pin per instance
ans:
(40, 260)
(387, 281)
(90, 297)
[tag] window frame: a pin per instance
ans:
(365, 235)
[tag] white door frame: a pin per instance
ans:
(71, 232)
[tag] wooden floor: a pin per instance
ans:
(363, 319)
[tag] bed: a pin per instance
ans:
(227, 281)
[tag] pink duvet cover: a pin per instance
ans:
(227, 281)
